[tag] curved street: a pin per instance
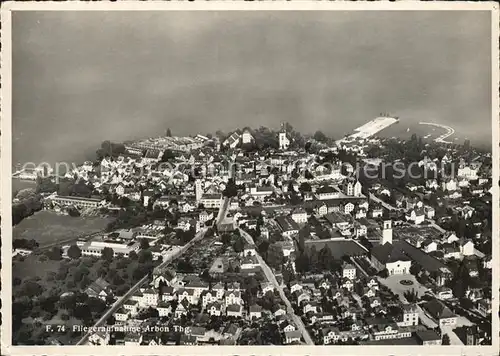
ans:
(272, 278)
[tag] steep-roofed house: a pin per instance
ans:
(255, 312)
(99, 289)
(121, 314)
(408, 315)
(208, 297)
(235, 310)
(233, 297)
(164, 309)
(214, 309)
(330, 335)
(232, 141)
(287, 225)
(100, 338)
(150, 297)
(187, 294)
(439, 313)
(416, 216)
(326, 192)
(292, 337)
(182, 308)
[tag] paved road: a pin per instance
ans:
(380, 201)
(353, 260)
(454, 339)
(114, 307)
(223, 211)
(272, 278)
(424, 319)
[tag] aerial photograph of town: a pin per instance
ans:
(258, 178)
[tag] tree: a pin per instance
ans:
(275, 255)
(31, 289)
(111, 320)
(461, 280)
(168, 155)
(445, 340)
(110, 149)
(169, 133)
(145, 256)
(226, 239)
(415, 269)
(304, 234)
(54, 253)
(313, 257)
(239, 244)
(288, 273)
(132, 255)
(74, 252)
(73, 212)
(302, 263)
(411, 296)
(45, 185)
(325, 258)
(107, 254)
(384, 273)
(263, 247)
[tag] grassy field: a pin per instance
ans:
(47, 227)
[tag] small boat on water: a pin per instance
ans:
(408, 129)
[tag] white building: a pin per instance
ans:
(211, 201)
(78, 202)
(95, 248)
(467, 172)
(349, 271)
(352, 187)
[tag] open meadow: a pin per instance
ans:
(47, 227)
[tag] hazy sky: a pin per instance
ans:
(83, 77)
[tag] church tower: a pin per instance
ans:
(284, 142)
(386, 233)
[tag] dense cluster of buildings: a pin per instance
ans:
(289, 202)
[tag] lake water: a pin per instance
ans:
(197, 72)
